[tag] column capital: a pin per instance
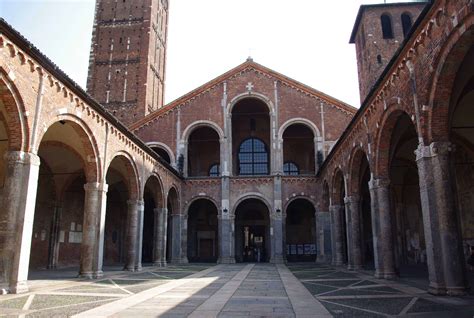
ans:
(379, 182)
(96, 186)
(352, 199)
(439, 148)
(22, 158)
(135, 202)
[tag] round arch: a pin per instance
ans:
(165, 148)
(14, 120)
(250, 95)
(251, 195)
(447, 64)
(91, 157)
(198, 124)
(173, 193)
(302, 121)
(202, 197)
(337, 187)
(300, 197)
(355, 161)
(160, 195)
(383, 137)
(132, 179)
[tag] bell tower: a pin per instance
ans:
(378, 32)
(128, 57)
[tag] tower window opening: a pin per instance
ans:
(406, 24)
(379, 59)
(387, 29)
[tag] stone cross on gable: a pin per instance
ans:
(249, 86)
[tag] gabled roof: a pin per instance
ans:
(379, 5)
(249, 64)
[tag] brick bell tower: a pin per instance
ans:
(378, 32)
(128, 55)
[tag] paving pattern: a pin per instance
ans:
(239, 290)
(356, 294)
(64, 297)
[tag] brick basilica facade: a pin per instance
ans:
(252, 166)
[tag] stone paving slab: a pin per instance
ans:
(358, 294)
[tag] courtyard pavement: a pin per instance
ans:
(240, 290)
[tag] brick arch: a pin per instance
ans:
(202, 197)
(251, 95)
(302, 121)
(173, 190)
(447, 64)
(338, 183)
(355, 162)
(159, 195)
(165, 147)
(131, 179)
(383, 140)
(252, 195)
(17, 127)
(300, 197)
(199, 124)
(91, 157)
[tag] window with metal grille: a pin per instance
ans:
(291, 169)
(214, 170)
(253, 157)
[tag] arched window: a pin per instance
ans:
(253, 157)
(406, 24)
(387, 30)
(214, 170)
(290, 169)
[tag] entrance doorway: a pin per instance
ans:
(252, 232)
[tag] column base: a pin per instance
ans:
(277, 260)
(138, 268)
(184, 260)
(129, 268)
(91, 275)
(457, 291)
(160, 264)
(226, 260)
(19, 288)
(321, 259)
(433, 289)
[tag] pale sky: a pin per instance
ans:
(307, 40)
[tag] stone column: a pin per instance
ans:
(157, 236)
(162, 238)
(175, 238)
(131, 235)
(443, 241)
(353, 224)
(225, 238)
(333, 237)
(338, 243)
(276, 236)
(19, 200)
(322, 223)
(139, 251)
(382, 228)
(93, 226)
(53, 248)
(183, 258)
